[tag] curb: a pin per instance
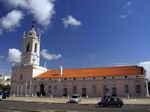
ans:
(67, 103)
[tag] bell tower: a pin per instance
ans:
(31, 47)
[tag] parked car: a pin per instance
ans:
(4, 94)
(111, 101)
(75, 98)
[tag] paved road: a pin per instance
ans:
(19, 106)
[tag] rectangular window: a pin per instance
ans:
(126, 88)
(138, 88)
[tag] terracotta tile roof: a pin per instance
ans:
(93, 72)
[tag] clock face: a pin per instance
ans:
(34, 58)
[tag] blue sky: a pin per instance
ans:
(102, 32)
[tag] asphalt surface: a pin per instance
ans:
(19, 106)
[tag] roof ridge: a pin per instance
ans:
(99, 67)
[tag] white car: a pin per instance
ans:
(75, 98)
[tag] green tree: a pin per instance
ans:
(4, 87)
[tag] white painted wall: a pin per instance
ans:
(37, 70)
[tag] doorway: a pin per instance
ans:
(42, 90)
(114, 91)
(84, 92)
(65, 92)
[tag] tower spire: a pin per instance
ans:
(31, 47)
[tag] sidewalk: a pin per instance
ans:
(143, 101)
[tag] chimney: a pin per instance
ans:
(61, 70)
(45, 64)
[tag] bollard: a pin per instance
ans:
(127, 96)
(86, 96)
(68, 96)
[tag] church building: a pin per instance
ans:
(31, 79)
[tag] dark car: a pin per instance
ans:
(5, 94)
(111, 101)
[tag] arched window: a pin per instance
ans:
(35, 47)
(21, 76)
(28, 47)
(74, 91)
(105, 90)
(126, 88)
(42, 92)
(49, 90)
(94, 90)
(34, 89)
(114, 91)
(138, 88)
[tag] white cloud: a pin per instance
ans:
(126, 10)
(14, 55)
(146, 66)
(50, 56)
(11, 20)
(1, 56)
(16, 3)
(129, 12)
(127, 4)
(71, 21)
(123, 16)
(42, 10)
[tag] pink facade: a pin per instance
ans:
(122, 87)
(23, 83)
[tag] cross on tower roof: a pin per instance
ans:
(33, 23)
